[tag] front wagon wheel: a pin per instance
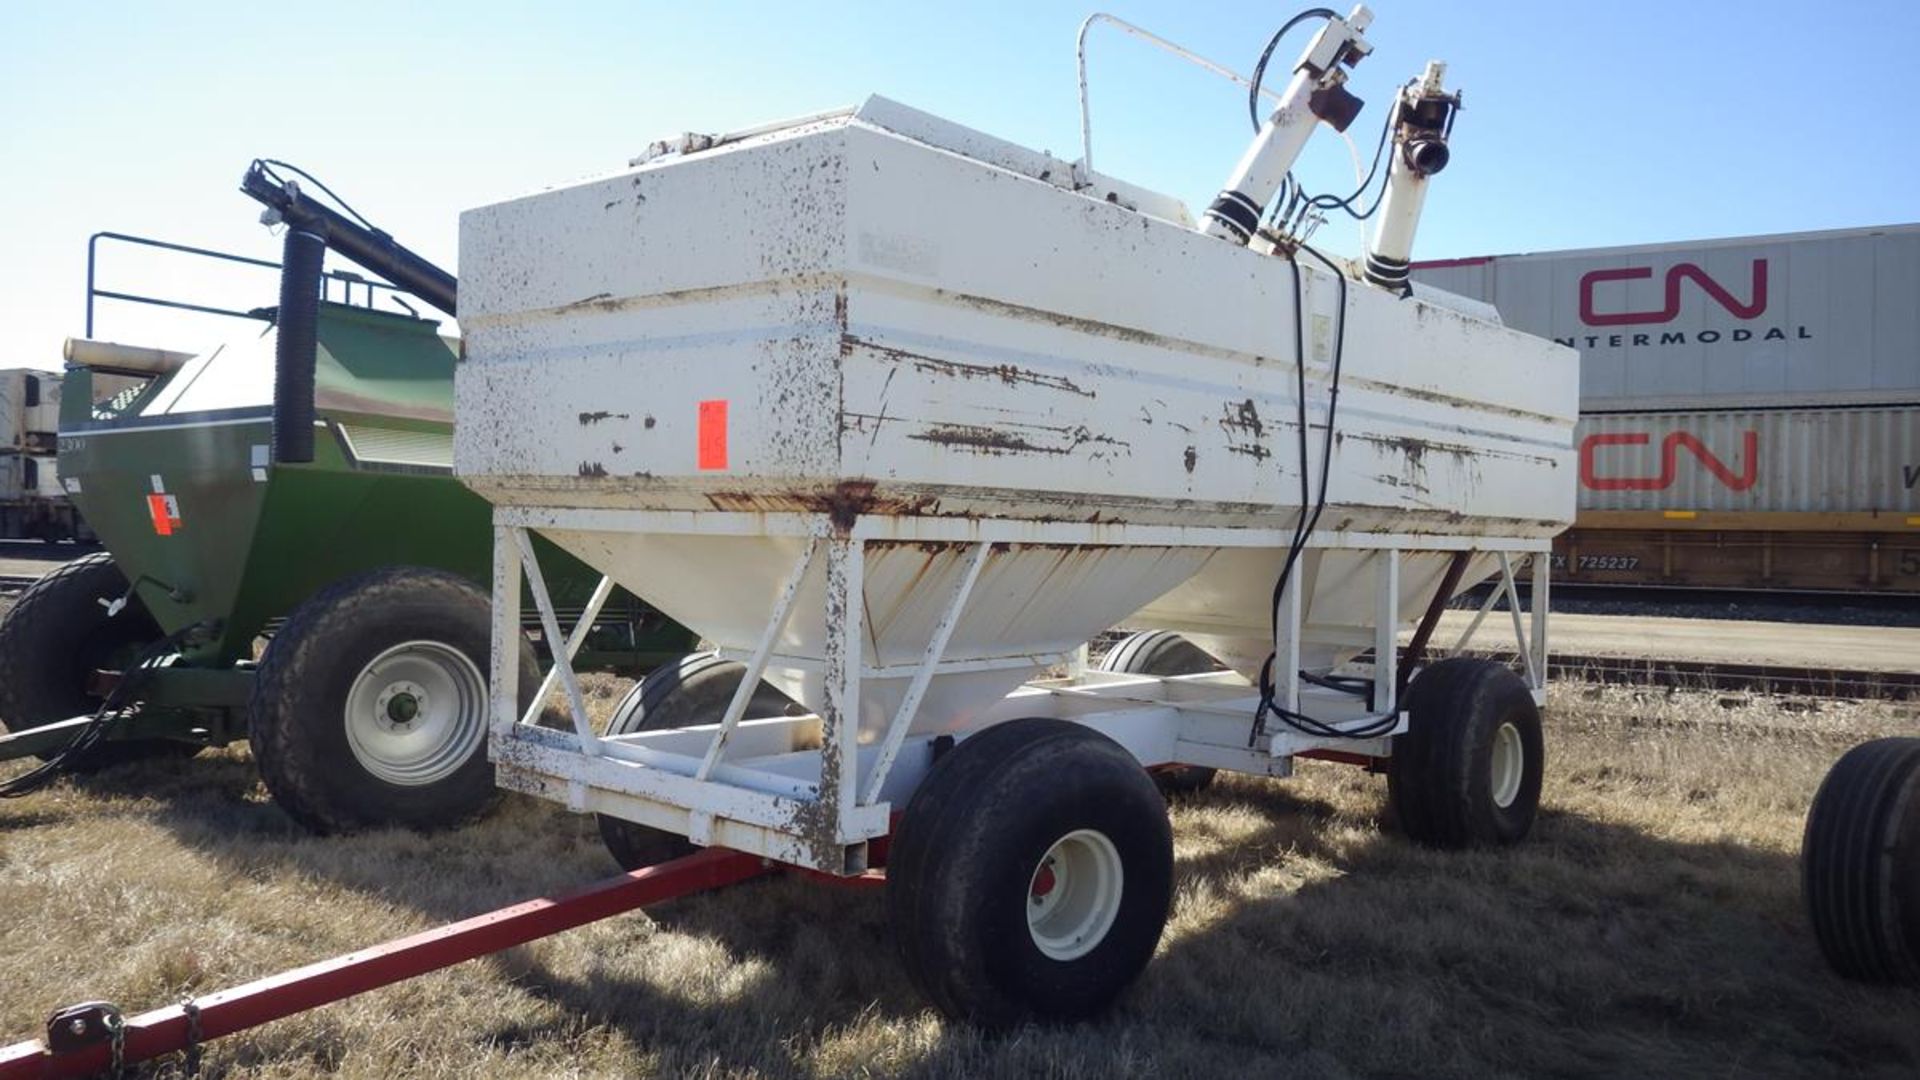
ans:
(371, 704)
(1467, 771)
(1031, 875)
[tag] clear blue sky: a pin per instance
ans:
(1586, 123)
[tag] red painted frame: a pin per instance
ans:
(163, 1031)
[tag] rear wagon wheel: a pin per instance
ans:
(371, 704)
(53, 640)
(694, 689)
(1165, 653)
(1467, 771)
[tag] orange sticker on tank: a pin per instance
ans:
(165, 511)
(713, 435)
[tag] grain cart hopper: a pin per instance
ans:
(904, 414)
(293, 483)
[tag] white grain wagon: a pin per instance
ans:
(899, 415)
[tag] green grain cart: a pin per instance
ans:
(289, 558)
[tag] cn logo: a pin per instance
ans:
(1670, 448)
(1670, 310)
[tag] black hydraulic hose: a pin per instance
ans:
(294, 347)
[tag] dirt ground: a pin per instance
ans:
(1650, 926)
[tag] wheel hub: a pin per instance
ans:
(1509, 765)
(1073, 895)
(416, 713)
(400, 704)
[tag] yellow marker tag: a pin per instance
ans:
(1680, 515)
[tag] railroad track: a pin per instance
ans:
(1719, 675)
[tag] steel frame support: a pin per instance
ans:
(840, 711)
(1386, 631)
(164, 1031)
(818, 808)
(1530, 629)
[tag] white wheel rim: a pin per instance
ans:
(1509, 765)
(1073, 895)
(416, 713)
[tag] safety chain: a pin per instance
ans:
(117, 1032)
(192, 1013)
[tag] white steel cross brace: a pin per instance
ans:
(936, 647)
(574, 641)
(550, 626)
(757, 663)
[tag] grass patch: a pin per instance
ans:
(1650, 926)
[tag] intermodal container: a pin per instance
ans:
(1856, 461)
(29, 410)
(1801, 320)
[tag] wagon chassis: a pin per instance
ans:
(798, 790)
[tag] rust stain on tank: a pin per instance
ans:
(592, 469)
(1242, 416)
(991, 440)
(1010, 374)
(587, 418)
(843, 503)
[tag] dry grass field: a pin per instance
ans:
(1650, 927)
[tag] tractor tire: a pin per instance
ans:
(1031, 875)
(1165, 653)
(694, 689)
(1860, 863)
(1467, 771)
(370, 708)
(57, 635)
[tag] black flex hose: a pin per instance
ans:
(1260, 69)
(294, 357)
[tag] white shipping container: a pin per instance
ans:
(1854, 461)
(29, 409)
(1809, 319)
(28, 477)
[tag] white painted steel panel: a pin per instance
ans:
(1827, 318)
(967, 339)
(1789, 461)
